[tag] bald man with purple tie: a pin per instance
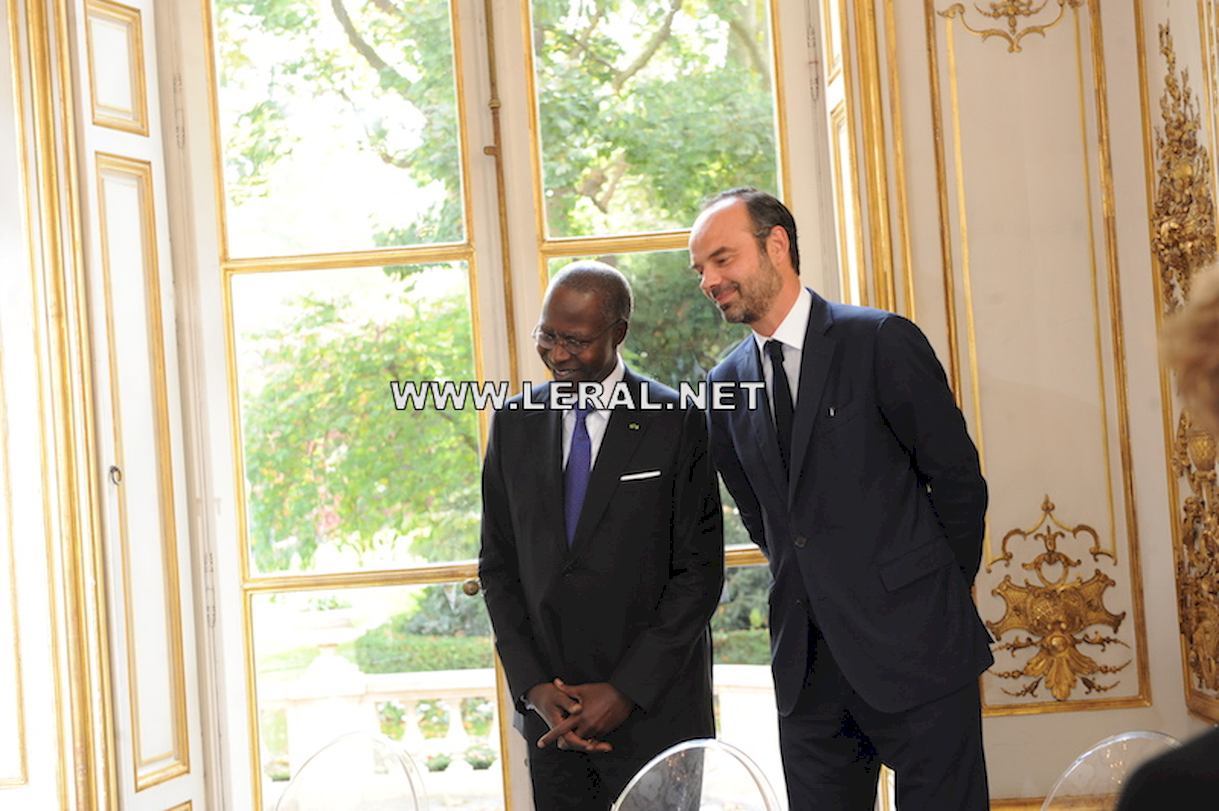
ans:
(602, 556)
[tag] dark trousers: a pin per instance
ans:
(576, 781)
(834, 743)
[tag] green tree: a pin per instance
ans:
(646, 106)
(328, 458)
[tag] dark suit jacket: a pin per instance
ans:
(1185, 778)
(630, 601)
(877, 533)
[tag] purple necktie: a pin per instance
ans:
(575, 478)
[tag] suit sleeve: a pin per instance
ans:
(696, 575)
(501, 583)
(918, 405)
(724, 455)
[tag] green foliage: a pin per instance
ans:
(640, 121)
(392, 716)
(392, 67)
(273, 735)
(741, 647)
(328, 603)
(389, 650)
(476, 715)
(739, 627)
(645, 108)
(444, 611)
(289, 663)
(438, 762)
(480, 756)
(432, 715)
(676, 335)
(329, 460)
(744, 605)
(274, 731)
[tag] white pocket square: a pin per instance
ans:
(631, 477)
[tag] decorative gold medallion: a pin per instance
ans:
(1057, 614)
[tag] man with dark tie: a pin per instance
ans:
(602, 555)
(860, 483)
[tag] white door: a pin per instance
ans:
(154, 691)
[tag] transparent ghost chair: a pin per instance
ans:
(356, 772)
(695, 775)
(1094, 780)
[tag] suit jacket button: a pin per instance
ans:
(800, 541)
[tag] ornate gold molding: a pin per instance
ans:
(1015, 12)
(1183, 240)
(1198, 557)
(1056, 613)
(1183, 218)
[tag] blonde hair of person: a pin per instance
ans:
(1190, 347)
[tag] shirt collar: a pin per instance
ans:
(607, 385)
(791, 329)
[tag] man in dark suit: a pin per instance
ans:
(602, 556)
(858, 480)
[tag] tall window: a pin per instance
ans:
(348, 264)
(349, 256)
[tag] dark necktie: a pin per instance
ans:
(781, 394)
(575, 478)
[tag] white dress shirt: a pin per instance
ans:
(790, 333)
(596, 421)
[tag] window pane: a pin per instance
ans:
(337, 478)
(339, 125)
(644, 111)
(676, 334)
(413, 663)
(744, 691)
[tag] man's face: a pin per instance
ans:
(572, 316)
(734, 271)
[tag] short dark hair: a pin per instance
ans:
(765, 212)
(607, 282)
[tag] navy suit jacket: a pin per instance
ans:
(629, 602)
(876, 535)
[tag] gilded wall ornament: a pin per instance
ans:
(1198, 559)
(1056, 613)
(1183, 238)
(1183, 220)
(1015, 12)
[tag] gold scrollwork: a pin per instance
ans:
(1183, 219)
(1183, 222)
(1056, 613)
(1013, 11)
(1198, 561)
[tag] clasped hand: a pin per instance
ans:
(579, 714)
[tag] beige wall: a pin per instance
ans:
(1015, 214)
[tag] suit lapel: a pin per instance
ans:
(623, 434)
(761, 424)
(815, 362)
